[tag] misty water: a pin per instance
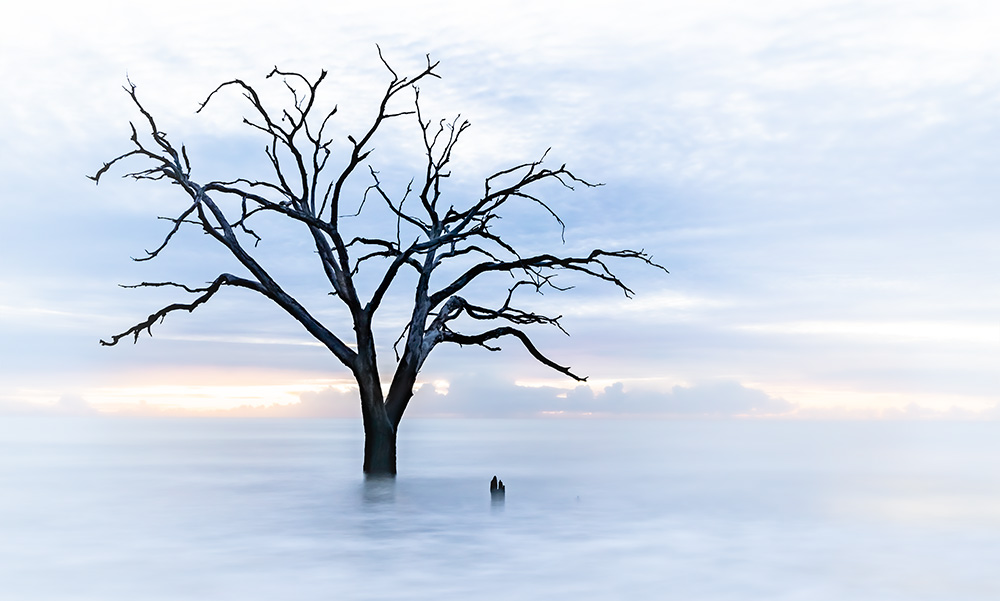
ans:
(215, 509)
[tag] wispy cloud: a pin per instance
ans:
(876, 332)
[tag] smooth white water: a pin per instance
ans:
(212, 509)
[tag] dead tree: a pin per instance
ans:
(304, 187)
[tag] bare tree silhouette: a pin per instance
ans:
(302, 186)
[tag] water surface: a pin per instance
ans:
(215, 509)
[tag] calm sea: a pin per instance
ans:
(245, 510)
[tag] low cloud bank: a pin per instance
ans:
(329, 402)
(484, 396)
(67, 405)
(478, 397)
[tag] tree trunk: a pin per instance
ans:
(380, 449)
(380, 433)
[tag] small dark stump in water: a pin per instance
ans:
(497, 490)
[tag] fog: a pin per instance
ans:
(108, 509)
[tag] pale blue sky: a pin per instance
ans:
(819, 177)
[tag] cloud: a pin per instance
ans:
(919, 412)
(711, 399)
(326, 403)
(482, 396)
(910, 412)
(67, 405)
(329, 402)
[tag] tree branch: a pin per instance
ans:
(204, 295)
(483, 338)
(531, 265)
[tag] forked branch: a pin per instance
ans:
(204, 294)
(484, 338)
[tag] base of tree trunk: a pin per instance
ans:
(380, 454)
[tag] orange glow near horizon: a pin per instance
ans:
(181, 391)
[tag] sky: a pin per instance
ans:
(818, 177)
